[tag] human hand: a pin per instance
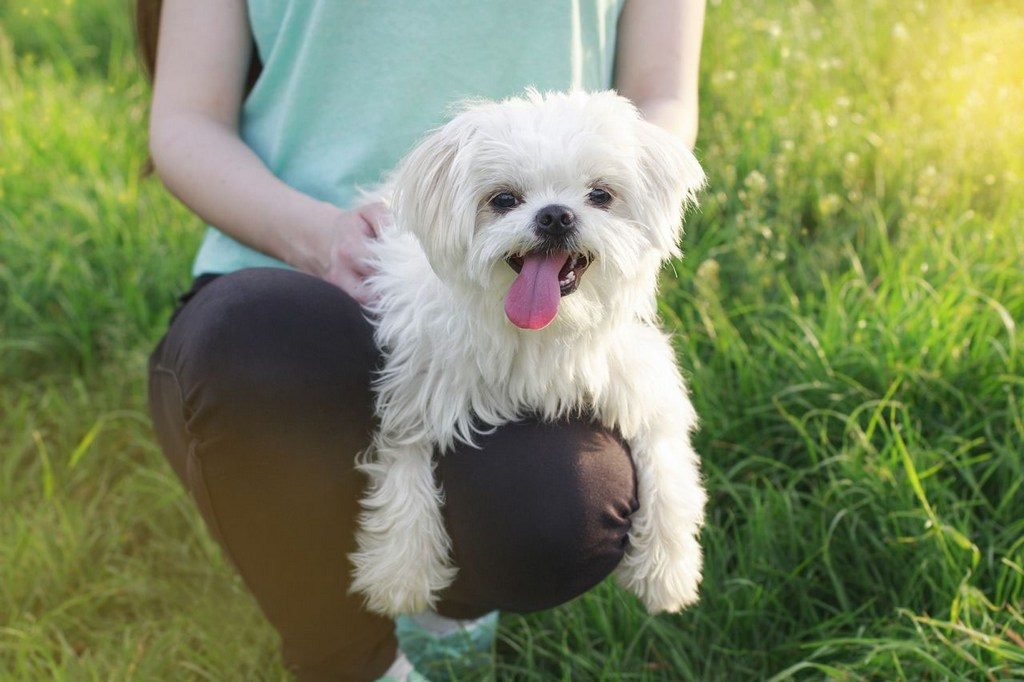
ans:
(348, 248)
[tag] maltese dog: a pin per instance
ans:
(518, 277)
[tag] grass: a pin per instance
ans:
(848, 312)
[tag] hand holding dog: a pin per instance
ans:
(348, 248)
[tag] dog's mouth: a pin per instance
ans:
(568, 277)
(542, 279)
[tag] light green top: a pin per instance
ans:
(348, 86)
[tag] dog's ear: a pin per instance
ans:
(670, 178)
(432, 199)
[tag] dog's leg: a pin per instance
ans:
(402, 561)
(662, 565)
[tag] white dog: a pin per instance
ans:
(519, 277)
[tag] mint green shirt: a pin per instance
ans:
(348, 86)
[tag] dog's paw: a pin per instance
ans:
(665, 579)
(397, 576)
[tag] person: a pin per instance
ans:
(266, 117)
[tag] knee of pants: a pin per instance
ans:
(538, 515)
(265, 345)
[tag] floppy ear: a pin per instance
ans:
(433, 197)
(670, 178)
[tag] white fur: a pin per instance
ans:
(451, 354)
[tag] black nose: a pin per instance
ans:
(555, 220)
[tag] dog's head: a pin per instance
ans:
(562, 205)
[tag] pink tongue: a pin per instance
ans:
(532, 300)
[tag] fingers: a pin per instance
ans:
(358, 257)
(376, 216)
(350, 262)
(352, 250)
(353, 285)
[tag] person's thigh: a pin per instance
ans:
(260, 397)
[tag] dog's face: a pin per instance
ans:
(563, 206)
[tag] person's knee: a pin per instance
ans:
(262, 342)
(540, 514)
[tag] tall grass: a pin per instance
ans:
(848, 314)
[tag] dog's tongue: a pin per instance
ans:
(532, 300)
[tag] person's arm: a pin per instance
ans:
(657, 61)
(202, 60)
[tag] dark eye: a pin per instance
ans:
(599, 197)
(504, 201)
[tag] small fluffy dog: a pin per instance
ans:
(519, 277)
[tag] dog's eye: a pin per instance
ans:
(504, 201)
(599, 197)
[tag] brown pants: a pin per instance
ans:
(260, 396)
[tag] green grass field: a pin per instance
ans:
(848, 311)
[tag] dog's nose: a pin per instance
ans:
(555, 220)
